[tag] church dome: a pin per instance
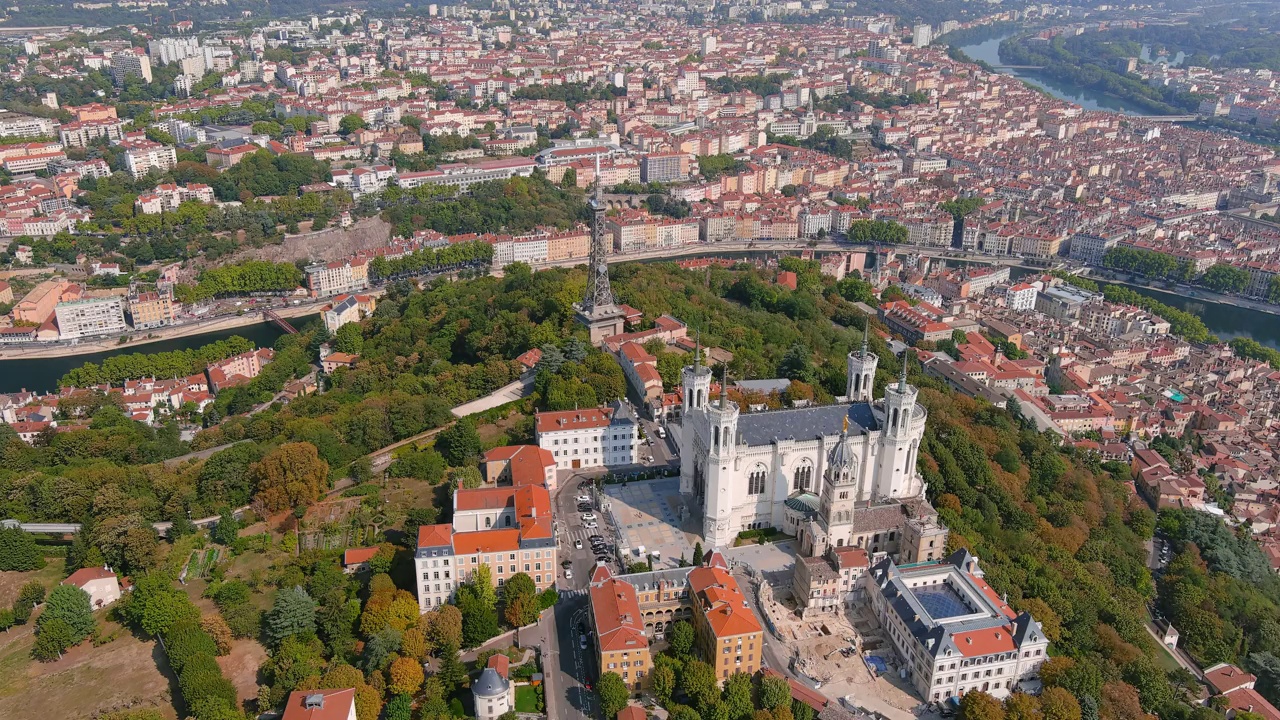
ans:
(841, 457)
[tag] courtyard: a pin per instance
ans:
(653, 515)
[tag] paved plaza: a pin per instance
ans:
(648, 513)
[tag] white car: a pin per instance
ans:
(584, 498)
(590, 525)
(588, 516)
(577, 544)
(568, 574)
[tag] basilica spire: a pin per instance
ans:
(902, 381)
(866, 330)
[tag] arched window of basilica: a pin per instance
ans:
(755, 480)
(857, 384)
(803, 477)
(893, 422)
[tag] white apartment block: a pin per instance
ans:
(13, 125)
(80, 134)
(952, 632)
(605, 436)
(90, 317)
(339, 276)
(143, 156)
(1021, 297)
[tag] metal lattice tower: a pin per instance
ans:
(599, 293)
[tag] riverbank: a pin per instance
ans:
(170, 332)
(1187, 292)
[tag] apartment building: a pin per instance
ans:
(151, 310)
(339, 276)
(90, 316)
(38, 304)
(143, 156)
(341, 312)
(952, 632)
(727, 632)
(664, 167)
(568, 245)
(238, 369)
(825, 583)
(618, 627)
(130, 63)
(81, 134)
(508, 528)
(168, 197)
(15, 125)
(435, 566)
(1021, 297)
(913, 324)
(604, 436)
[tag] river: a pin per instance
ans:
(42, 374)
(989, 51)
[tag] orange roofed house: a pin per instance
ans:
(619, 628)
(627, 611)
(727, 631)
(520, 465)
(506, 528)
(321, 705)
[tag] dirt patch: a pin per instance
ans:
(86, 681)
(11, 582)
(241, 667)
(331, 243)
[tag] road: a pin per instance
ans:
(566, 664)
(507, 393)
(381, 457)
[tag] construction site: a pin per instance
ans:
(842, 652)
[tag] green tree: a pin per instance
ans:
(774, 692)
(737, 696)
(459, 443)
(977, 705)
(351, 123)
(293, 613)
(681, 640)
(697, 553)
(71, 605)
(613, 693)
(1021, 706)
(399, 707)
(52, 640)
(451, 672)
(519, 600)
(18, 551)
(699, 682)
(226, 530)
(664, 683)
(349, 339)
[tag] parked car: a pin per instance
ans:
(588, 516)
(584, 498)
(568, 574)
(577, 544)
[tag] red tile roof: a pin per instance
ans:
(618, 621)
(85, 575)
(573, 419)
(722, 602)
(356, 556)
(484, 541)
(435, 535)
(336, 705)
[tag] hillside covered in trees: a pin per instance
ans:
(1058, 532)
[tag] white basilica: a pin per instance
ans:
(833, 476)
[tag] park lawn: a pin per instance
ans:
(526, 699)
(87, 681)
(49, 576)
